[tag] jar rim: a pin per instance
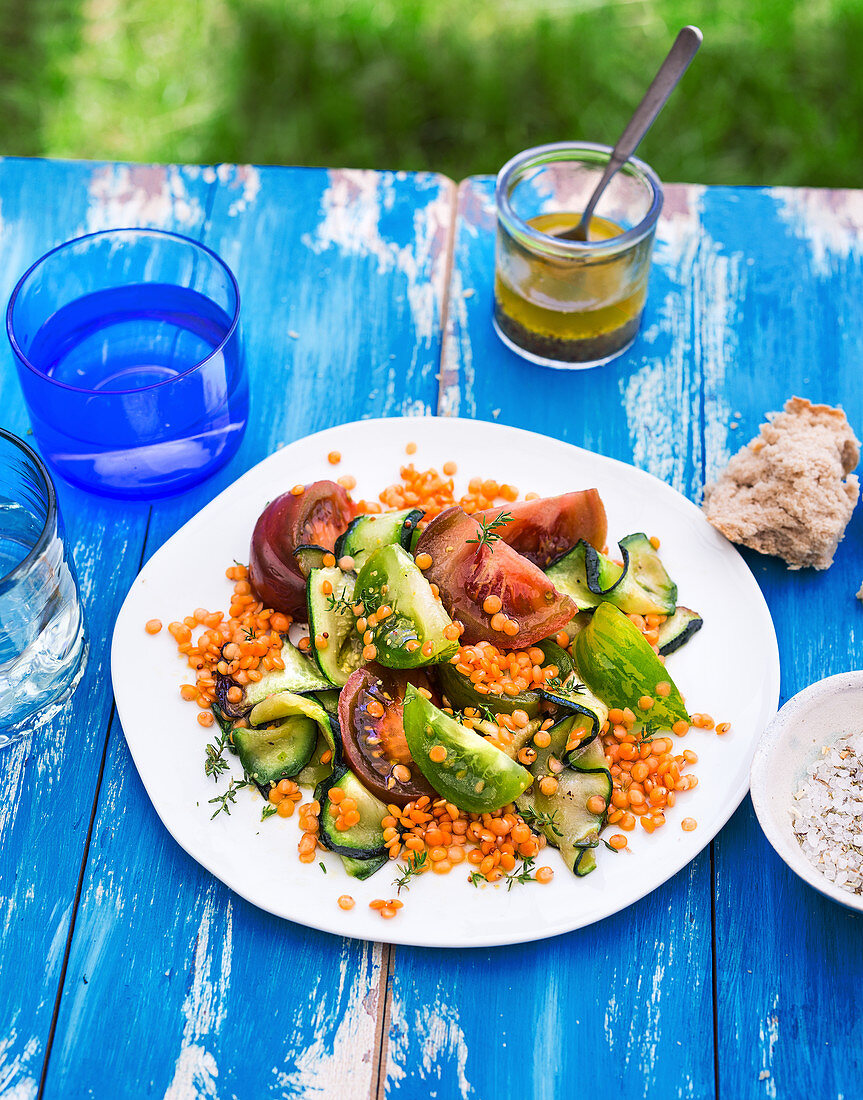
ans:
(126, 232)
(17, 572)
(564, 151)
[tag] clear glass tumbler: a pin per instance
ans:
(129, 355)
(566, 303)
(42, 635)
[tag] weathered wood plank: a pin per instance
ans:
(49, 783)
(342, 280)
(614, 1002)
(790, 962)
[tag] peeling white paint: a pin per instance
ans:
(768, 1037)
(699, 315)
(196, 1070)
(830, 222)
(248, 179)
(351, 214)
(443, 1054)
(457, 369)
(138, 194)
(18, 1072)
(339, 1064)
(722, 288)
(411, 407)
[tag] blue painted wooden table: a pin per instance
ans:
(126, 970)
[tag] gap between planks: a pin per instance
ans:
(388, 952)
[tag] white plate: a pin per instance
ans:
(729, 670)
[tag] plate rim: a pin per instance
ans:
(392, 934)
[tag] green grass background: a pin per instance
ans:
(775, 95)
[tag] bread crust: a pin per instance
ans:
(790, 491)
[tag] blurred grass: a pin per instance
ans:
(775, 95)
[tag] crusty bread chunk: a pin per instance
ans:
(790, 491)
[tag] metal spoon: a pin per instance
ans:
(672, 69)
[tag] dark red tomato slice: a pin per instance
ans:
(371, 706)
(316, 516)
(542, 530)
(467, 574)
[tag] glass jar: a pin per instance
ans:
(565, 303)
(43, 640)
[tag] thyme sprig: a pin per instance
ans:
(567, 684)
(416, 866)
(214, 759)
(228, 797)
(539, 821)
(489, 533)
(340, 605)
(517, 877)
(520, 876)
(646, 734)
(268, 811)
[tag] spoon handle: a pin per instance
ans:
(670, 71)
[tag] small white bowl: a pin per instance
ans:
(792, 742)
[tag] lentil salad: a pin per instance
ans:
(496, 843)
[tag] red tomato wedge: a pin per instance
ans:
(317, 517)
(374, 743)
(467, 574)
(542, 530)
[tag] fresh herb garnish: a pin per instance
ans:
(518, 877)
(268, 811)
(489, 534)
(340, 605)
(539, 821)
(480, 713)
(416, 865)
(610, 847)
(521, 875)
(228, 797)
(322, 866)
(568, 685)
(647, 732)
(214, 761)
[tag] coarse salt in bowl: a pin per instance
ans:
(828, 714)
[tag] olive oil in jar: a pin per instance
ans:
(572, 308)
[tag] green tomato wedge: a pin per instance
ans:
(390, 578)
(618, 665)
(474, 775)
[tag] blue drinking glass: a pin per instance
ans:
(43, 641)
(128, 349)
